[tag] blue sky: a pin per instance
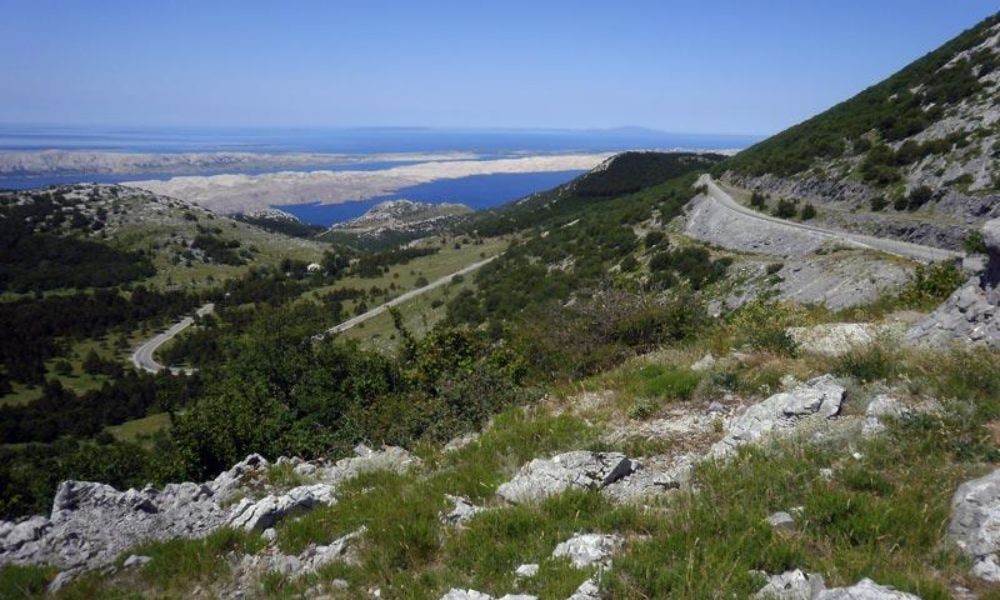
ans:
(735, 66)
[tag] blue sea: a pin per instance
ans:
(476, 191)
(480, 191)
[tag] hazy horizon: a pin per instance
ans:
(722, 68)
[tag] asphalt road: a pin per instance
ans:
(143, 359)
(916, 252)
(403, 298)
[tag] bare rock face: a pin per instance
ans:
(975, 523)
(969, 314)
(818, 398)
(541, 478)
(92, 523)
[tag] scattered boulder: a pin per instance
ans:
(704, 363)
(656, 475)
(589, 549)
(798, 585)
(458, 594)
(835, 339)
(975, 523)
(866, 589)
(462, 510)
(881, 407)
(818, 398)
(541, 478)
(135, 560)
(461, 442)
(792, 585)
(526, 570)
(781, 520)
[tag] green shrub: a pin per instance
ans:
(931, 285)
(867, 364)
(974, 242)
(918, 197)
(808, 212)
(878, 203)
(761, 325)
(785, 209)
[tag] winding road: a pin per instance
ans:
(143, 359)
(403, 298)
(916, 252)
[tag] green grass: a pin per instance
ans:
(176, 569)
(138, 428)
(18, 581)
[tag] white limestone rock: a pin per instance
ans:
(589, 549)
(543, 477)
(791, 585)
(975, 523)
(818, 398)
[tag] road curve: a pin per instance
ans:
(403, 298)
(916, 252)
(143, 359)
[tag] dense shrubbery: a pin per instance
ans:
(598, 333)
(692, 264)
(217, 249)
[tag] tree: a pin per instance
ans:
(808, 212)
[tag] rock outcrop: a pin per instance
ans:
(91, 524)
(975, 524)
(541, 477)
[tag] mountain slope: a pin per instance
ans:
(920, 149)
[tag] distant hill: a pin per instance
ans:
(82, 236)
(394, 222)
(925, 140)
(279, 221)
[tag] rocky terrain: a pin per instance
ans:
(236, 193)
